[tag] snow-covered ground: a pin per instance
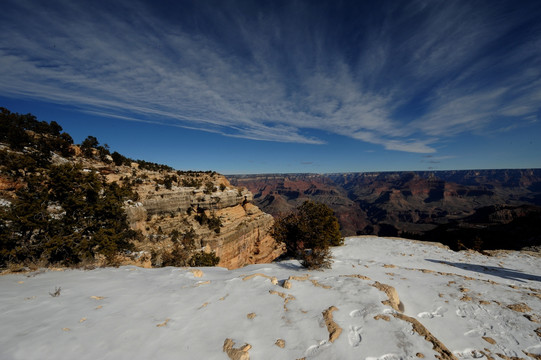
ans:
(462, 305)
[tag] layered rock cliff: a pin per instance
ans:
(220, 217)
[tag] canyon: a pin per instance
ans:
(423, 205)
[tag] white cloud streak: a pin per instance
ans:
(276, 75)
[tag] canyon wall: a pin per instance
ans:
(241, 238)
(437, 204)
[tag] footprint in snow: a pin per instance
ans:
(354, 336)
(429, 315)
(367, 311)
(440, 311)
(467, 310)
(475, 333)
(317, 349)
(535, 349)
(385, 357)
(391, 357)
(389, 311)
(469, 354)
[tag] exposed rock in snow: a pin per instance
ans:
(281, 343)
(393, 299)
(236, 354)
(332, 327)
(273, 279)
(196, 272)
(437, 345)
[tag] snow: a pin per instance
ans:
(461, 298)
(5, 203)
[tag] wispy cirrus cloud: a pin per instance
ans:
(402, 77)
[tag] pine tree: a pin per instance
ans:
(308, 233)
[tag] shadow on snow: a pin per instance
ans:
(491, 270)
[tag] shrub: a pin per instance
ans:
(214, 223)
(308, 233)
(188, 239)
(192, 182)
(204, 259)
(209, 187)
(168, 181)
(87, 146)
(147, 165)
(314, 259)
(202, 218)
(89, 219)
(179, 256)
(119, 159)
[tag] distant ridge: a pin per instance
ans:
(375, 172)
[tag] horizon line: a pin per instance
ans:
(375, 172)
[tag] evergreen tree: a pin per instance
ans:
(308, 233)
(87, 146)
(119, 159)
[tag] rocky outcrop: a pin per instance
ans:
(244, 237)
(240, 234)
(181, 199)
(234, 353)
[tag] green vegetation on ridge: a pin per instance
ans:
(55, 211)
(60, 213)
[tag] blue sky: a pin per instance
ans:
(284, 86)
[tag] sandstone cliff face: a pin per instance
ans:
(245, 237)
(242, 237)
(181, 199)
